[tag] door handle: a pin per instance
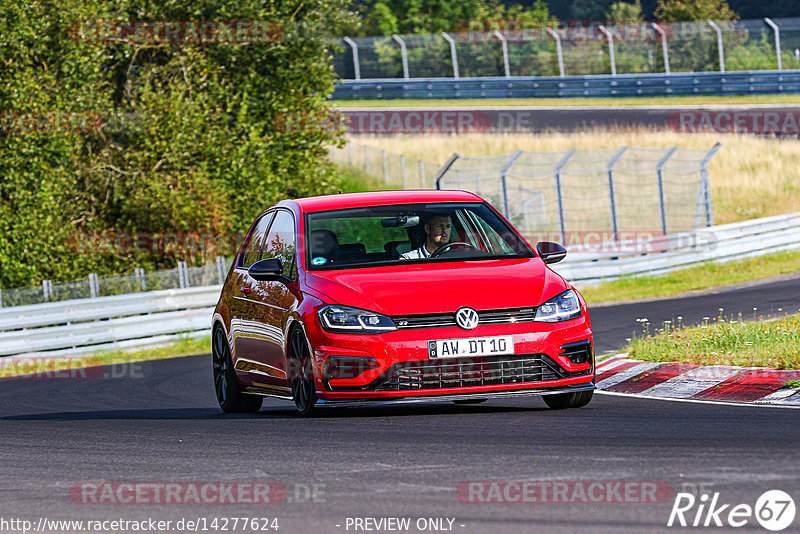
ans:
(246, 290)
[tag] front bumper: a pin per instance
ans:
(402, 369)
(428, 398)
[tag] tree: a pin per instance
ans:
(434, 16)
(191, 136)
(625, 12)
(588, 9)
(694, 10)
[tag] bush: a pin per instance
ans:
(176, 137)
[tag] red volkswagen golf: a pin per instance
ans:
(397, 296)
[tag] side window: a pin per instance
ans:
(280, 241)
(252, 250)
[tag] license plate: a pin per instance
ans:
(475, 346)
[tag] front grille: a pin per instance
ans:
(470, 372)
(435, 320)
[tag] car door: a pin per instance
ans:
(265, 306)
(240, 286)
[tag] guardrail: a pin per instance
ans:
(621, 85)
(107, 323)
(142, 319)
(719, 243)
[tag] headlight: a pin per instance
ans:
(354, 321)
(560, 308)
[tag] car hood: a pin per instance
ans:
(441, 287)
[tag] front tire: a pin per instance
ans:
(301, 370)
(568, 400)
(229, 394)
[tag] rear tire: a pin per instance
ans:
(229, 394)
(301, 373)
(568, 400)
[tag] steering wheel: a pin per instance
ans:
(446, 248)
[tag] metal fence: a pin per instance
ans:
(722, 243)
(395, 170)
(562, 49)
(628, 189)
(139, 281)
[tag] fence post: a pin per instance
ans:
(356, 64)
(505, 51)
(47, 290)
(403, 169)
(559, 51)
(422, 174)
(610, 48)
(437, 180)
(453, 56)
(183, 279)
(94, 286)
(403, 54)
(139, 274)
(503, 185)
(560, 199)
(664, 49)
(719, 45)
(777, 40)
(221, 270)
(385, 167)
(366, 158)
(706, 185)
(610, 169)
(660, 175)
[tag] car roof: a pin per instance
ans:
(373, 198)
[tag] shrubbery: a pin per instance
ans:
(148, 136)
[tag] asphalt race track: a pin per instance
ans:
(160, 423)
(539, 119)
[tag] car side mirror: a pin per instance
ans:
(550, 252)
(267, 269)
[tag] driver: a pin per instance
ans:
(437, 234)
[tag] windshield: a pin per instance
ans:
(409, 233)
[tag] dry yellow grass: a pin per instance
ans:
(750, 176)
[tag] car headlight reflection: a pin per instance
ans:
(345, 319)
(562, 307)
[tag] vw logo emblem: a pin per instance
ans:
(467, 318)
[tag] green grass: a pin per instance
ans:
(718, 341)
(793, 384)
(354, 180)
(559, 102)
(694, 278)
(184, 347)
